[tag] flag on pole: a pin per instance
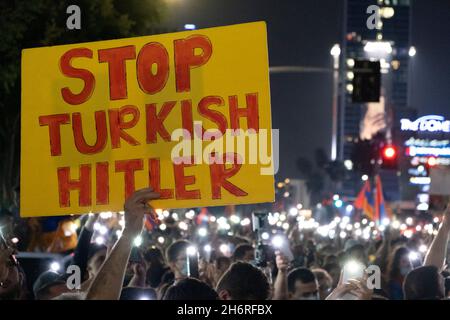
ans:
(203, 216)
(151, 221)
(381, 210)
(365, 201)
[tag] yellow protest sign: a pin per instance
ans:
(187, 113)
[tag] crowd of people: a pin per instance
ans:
(198, 256)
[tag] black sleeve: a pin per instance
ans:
(80, 257)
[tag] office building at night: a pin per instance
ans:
(388, 43)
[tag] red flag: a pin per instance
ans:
(203, 216)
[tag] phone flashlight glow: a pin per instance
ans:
(277, 241)
(191, 250)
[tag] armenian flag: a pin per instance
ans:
(203, 216)
(365, 201)
(151, 221)
(381, 209)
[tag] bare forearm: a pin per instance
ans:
(85, 285)
(280, 287)
(107, 285)
(438, 249)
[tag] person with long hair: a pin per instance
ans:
(399, 266)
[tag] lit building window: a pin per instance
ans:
(350, 75)
(395, 64)
(348, 164)
(349, 87)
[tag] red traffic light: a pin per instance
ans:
(389, 152)
(431, 162)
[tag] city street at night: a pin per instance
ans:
(187, 150)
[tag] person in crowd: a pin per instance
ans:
(49, 285)
(82, 255)
(177, 259)
(334, 271)
(398, 267)
(138, 276)
(310, 253)
(427, 282)
(280, 287)
(156, 267)
(299, 256)
(437, 252)
(221, 265)
(424, 283)
(162, 289)
(325, 282)
(107, 284)
(314, 273)
(96, 257)
(244, 252)
(302, 285)
(12, 277)
(190, 289)
(88, 258)
(383, 251)
(355, 251)
(329, 259)
(353, 289)
(242, 281)
(447, 287)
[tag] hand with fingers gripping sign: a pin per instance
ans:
(136, 207)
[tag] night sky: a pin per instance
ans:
(301, 32)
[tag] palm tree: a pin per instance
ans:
(27, 24)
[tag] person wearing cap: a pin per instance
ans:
(49, 285)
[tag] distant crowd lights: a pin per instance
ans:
(378, 47)
(294, 216)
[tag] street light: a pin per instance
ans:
(335, 52)
(411, 52)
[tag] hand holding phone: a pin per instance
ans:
(281, 243)
(353, 270)
(192, 262)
